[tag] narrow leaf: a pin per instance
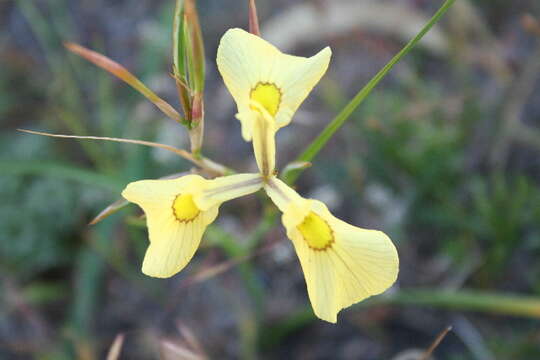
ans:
(316, 145)
(179, 60)
(122, 73)
(183, 153)
(494, 303)
(195, 53)
(213, 168)
(109, 210)
(178, 39)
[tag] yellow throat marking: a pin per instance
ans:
(316, 232)
(184, 208)
(268, 95)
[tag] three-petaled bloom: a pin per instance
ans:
(342, 264)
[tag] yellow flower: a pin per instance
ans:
(178, 211)
(267, 86)
(342, 264)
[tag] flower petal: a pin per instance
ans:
(247, 62)
(342, 264)
(178, 211)
(173, 243)
(153, 194)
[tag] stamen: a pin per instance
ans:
(263, 139)
(184, 208)
(263, 129)
(316, 232)
(268, 95)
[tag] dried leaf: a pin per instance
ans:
(122, 73)
(172, 350)
(109, 210)
(183, 153)
(116, 347)
(253, 19)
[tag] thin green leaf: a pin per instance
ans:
(471, 300)
(461, 300)
(195, 54)
(178, 38)
(179, 60)
(316, 145)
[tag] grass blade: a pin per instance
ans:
(316, 145)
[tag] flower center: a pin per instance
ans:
(316, 232)
(268, 95)
(184, 208)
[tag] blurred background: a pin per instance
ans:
(444, 156)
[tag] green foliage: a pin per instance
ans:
(426, 159)
(456, 206)
(35, 225)
(326, 134)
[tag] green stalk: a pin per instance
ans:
(461, 300)
(316, 145)
(470, 300)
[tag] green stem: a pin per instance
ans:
(316, 145)
(461, 300)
